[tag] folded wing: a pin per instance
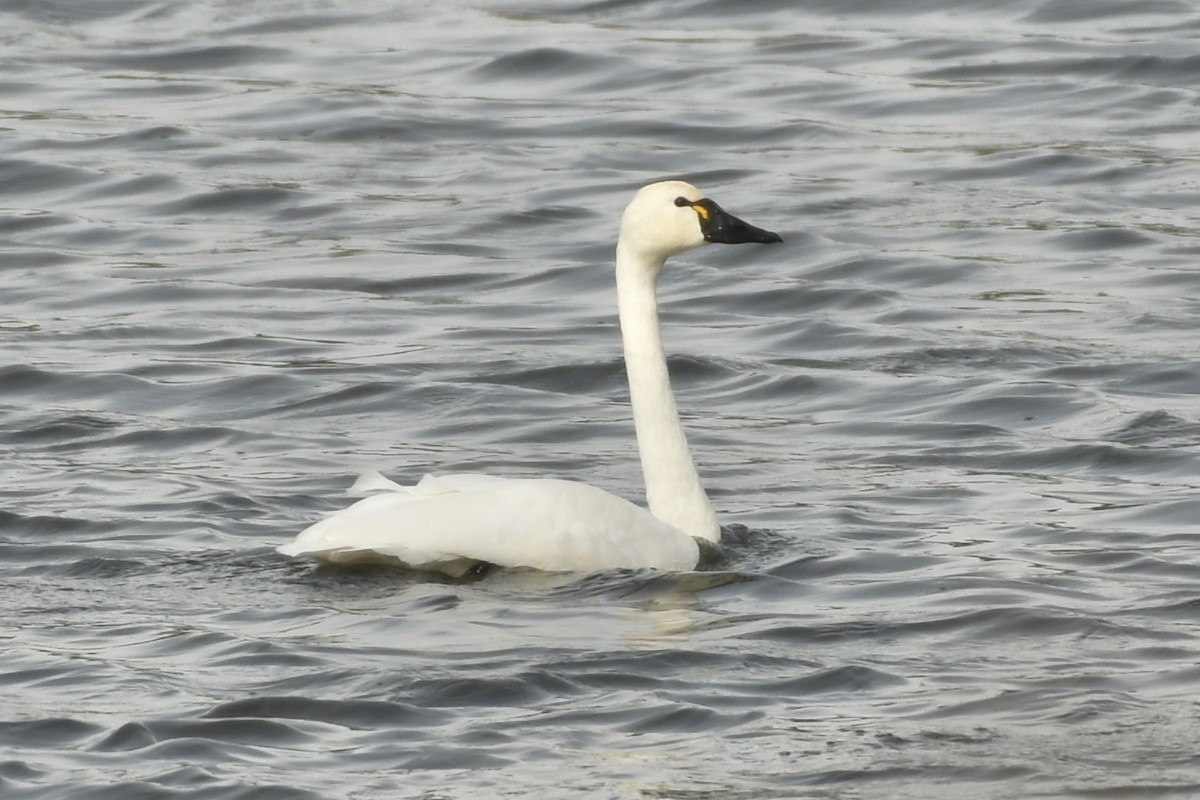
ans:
(451, 523)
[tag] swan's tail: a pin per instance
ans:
(373, 483)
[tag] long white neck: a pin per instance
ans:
(673, 487)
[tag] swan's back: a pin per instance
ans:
(448, 524)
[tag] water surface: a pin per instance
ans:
(250, 250)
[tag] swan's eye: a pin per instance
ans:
(682, 201)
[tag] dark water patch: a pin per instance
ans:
(47, 527)
(793, 343)
(947, 433)
(676, 718)
(445, 757)
(809, 568)
(1140, 68)
(1016, 405)
(192, 778)
(764, 11)
(1160, 378)
(1171, 279)
(163, 787)
(196, 359)
(1001, 623)
(1157, 429)
(94, 236)
(101, 568)
(633, 670)
(701, 132)
(599, 378)
(63, 675)
(1073, 11)
(624, 79)
(651, 586)
(71, 427)
(50, 732)
(545, 63)
(416, 127)
(162, 88)
(153, 642)
(1160, 515)
(64, 12)
(361, 580)
(353, 714)
(28, 178)
(516, 221)
(394, 127)
(234, 200)
(143, 790)
(185, 59)
(234, 503)
(744, 551)
(512, 691)
(260, 657)
(314, 680)
(151, 139)
(806, 298)
(574, 280)
(175, 438)
(10, 87)
(687, 370)
(135, 395)
(1161, 568)
(458, 249)
(203, 735)
(1055, 168)
(1101, 238)
(974, 587)
(847, 678)
(19, 222)
(1030, 704)
(1105, 461)
(852, 272)
(130, 736)
(366, 397)
(1007, 359)
(1045, 623)
(14, 770)
(763, 390)
(284, 23)
(613, 585)
(405, 286)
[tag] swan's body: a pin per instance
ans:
(452, 523)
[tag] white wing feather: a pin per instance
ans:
(451, 522)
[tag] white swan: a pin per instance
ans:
(456, 523)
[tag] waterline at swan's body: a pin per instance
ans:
(453, 523)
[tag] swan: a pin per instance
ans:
(455, 524)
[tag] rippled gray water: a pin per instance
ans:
(248, 250)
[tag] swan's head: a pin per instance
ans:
(672, 216)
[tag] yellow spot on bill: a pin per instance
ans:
(702, 211)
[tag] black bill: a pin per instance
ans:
(721, 227)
